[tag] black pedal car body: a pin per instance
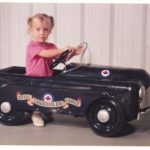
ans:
(107, 96)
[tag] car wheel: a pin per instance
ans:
(9, 115)
(106, 117)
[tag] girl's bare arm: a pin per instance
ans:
(51, 53)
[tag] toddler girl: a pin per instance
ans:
(40, 53)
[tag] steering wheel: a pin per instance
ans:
(62, 58)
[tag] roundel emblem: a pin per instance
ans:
(105, 73)
(47, 97)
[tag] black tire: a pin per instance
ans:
(14, 117)
(113, 122)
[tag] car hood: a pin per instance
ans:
(107, 73)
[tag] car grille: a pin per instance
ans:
(146, 101)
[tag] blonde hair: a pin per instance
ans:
(41, 17)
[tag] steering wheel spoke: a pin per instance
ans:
(62, 59)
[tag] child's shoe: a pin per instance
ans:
(37, 119)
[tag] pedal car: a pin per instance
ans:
(107, 96)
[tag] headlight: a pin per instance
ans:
(142, 92)
(5, 107)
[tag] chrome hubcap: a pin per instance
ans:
(103, 115)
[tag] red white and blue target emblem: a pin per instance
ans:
(105, 73)
(48, 98)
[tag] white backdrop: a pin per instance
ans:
(117, 34)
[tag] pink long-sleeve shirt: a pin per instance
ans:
(36, 65)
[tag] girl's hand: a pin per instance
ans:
(70, 48)
(74, 50)
(78, 50)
